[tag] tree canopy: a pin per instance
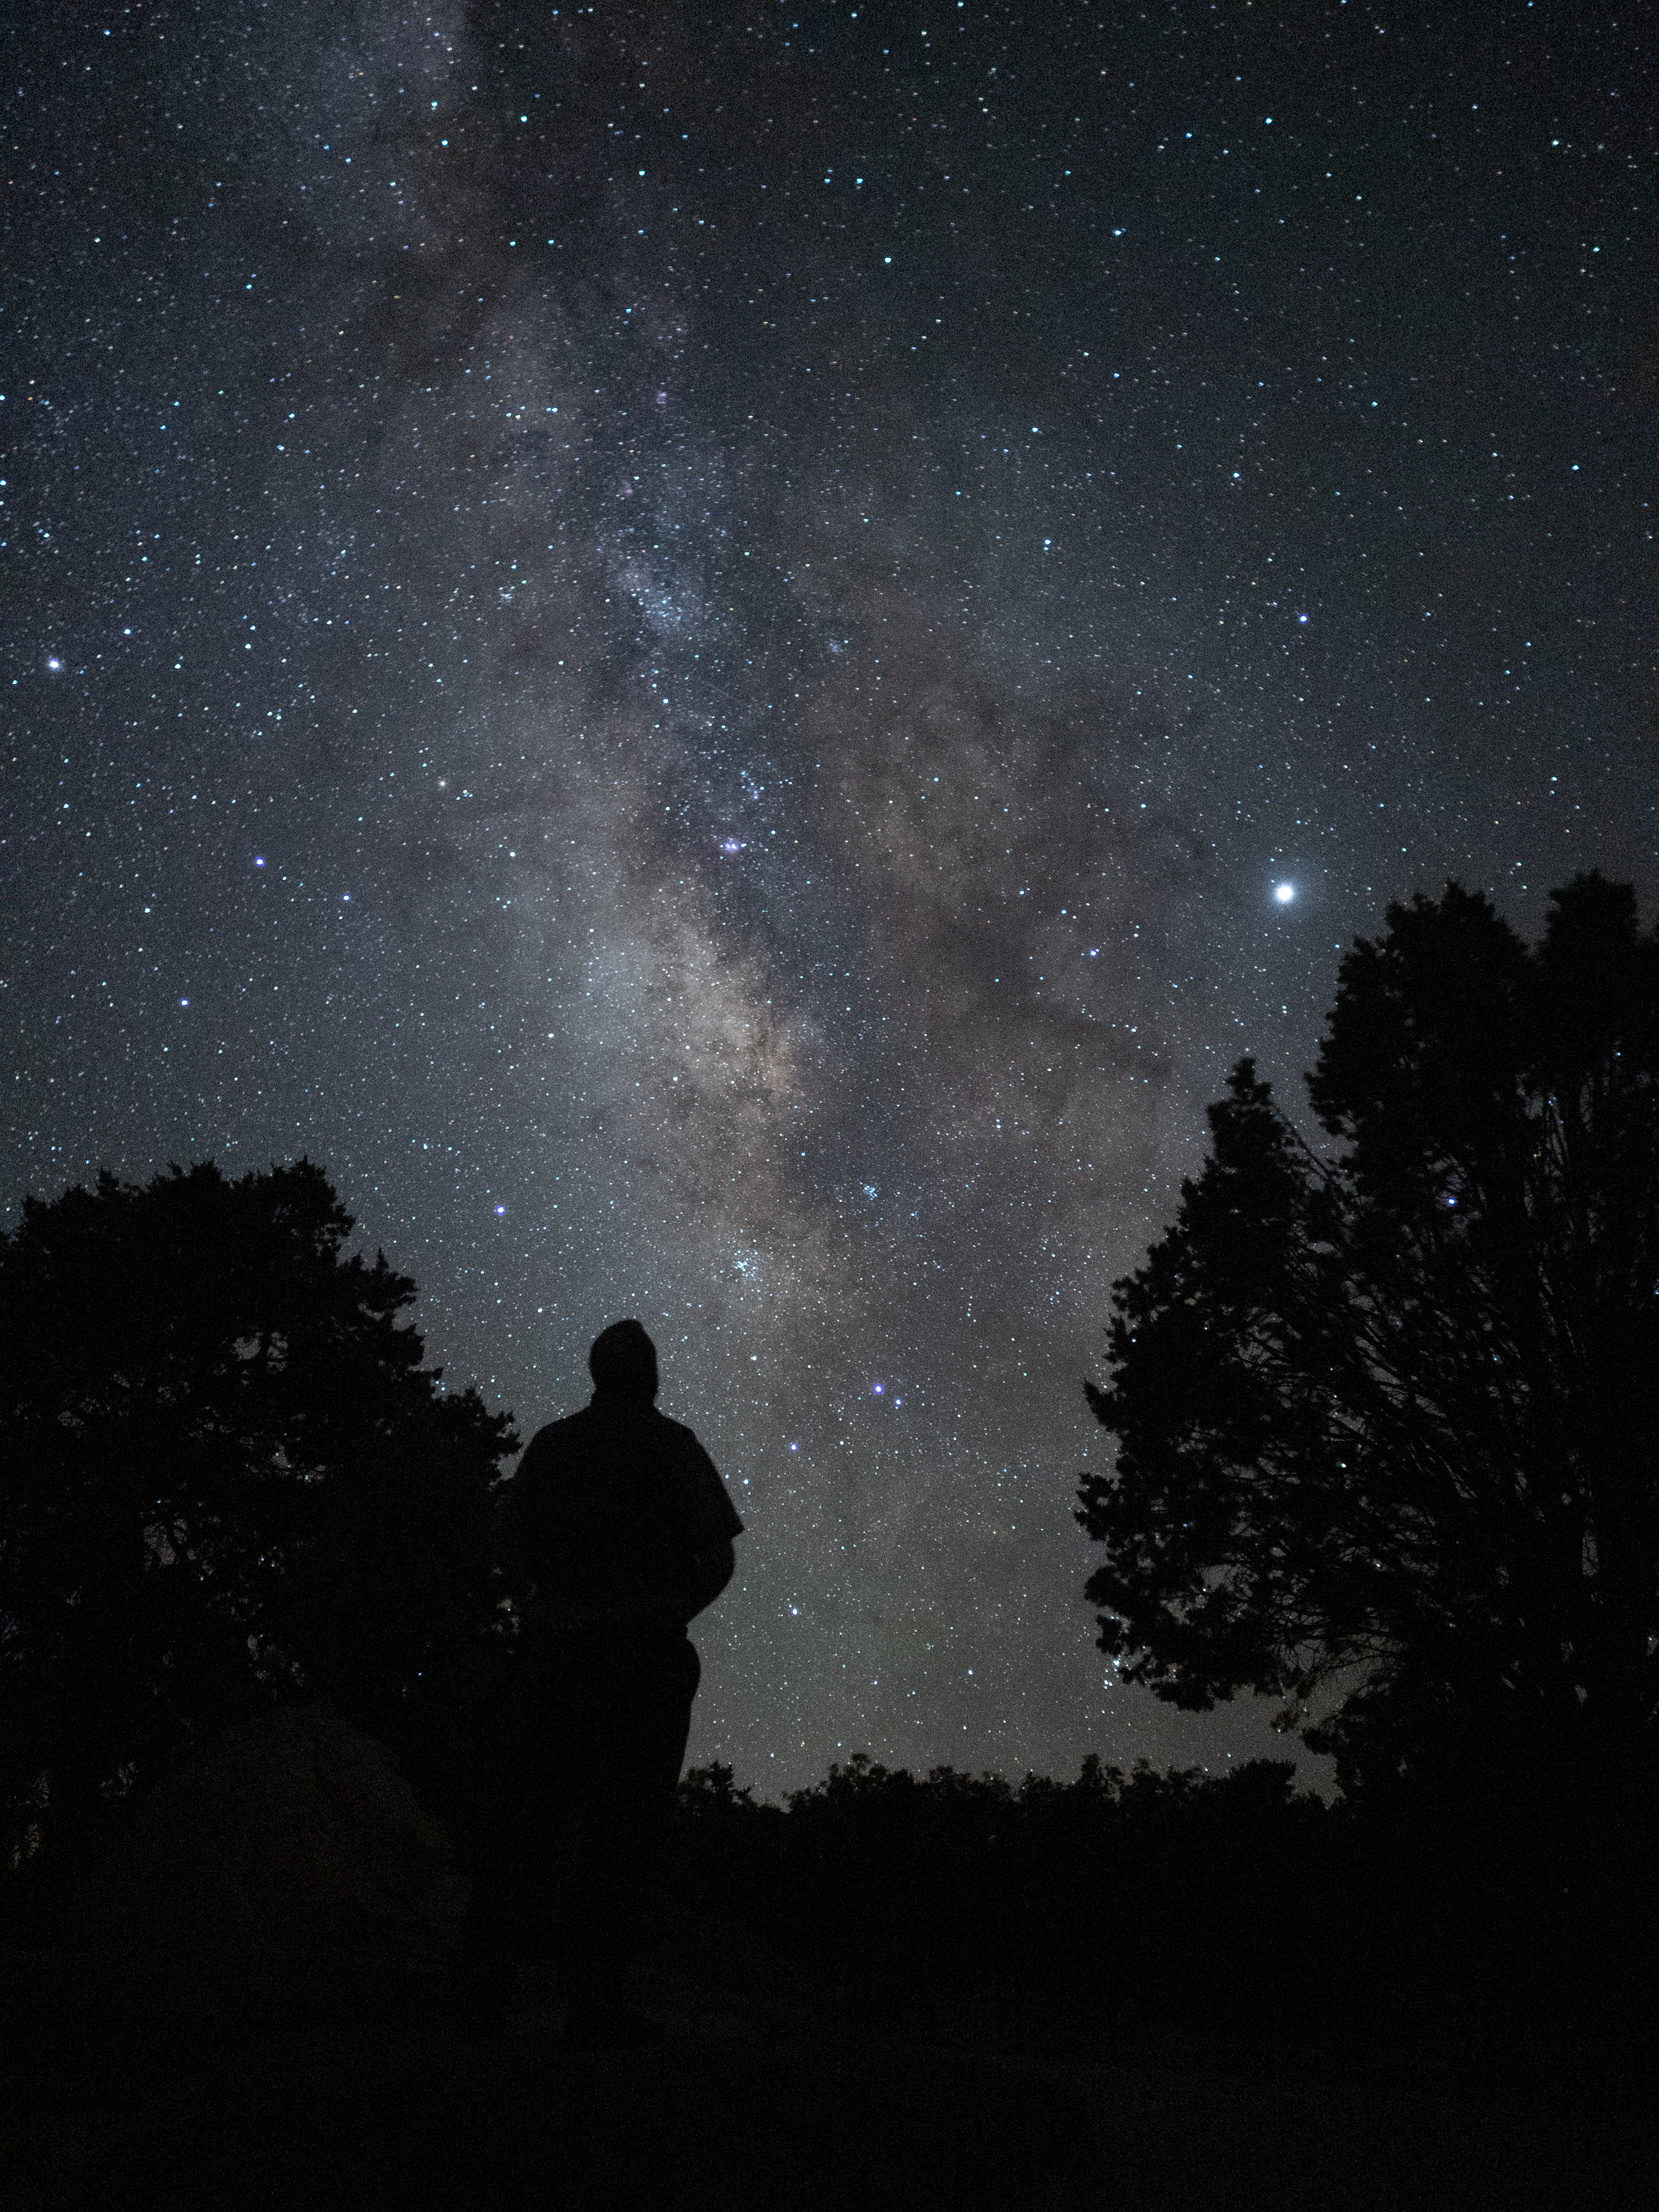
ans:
(1386, 1412)
(228, 1478)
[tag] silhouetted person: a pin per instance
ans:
(619, 1531)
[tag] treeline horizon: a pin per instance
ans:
(1215, 1906)
(1096, 1770)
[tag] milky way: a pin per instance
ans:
(727, 658)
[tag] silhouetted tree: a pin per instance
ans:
(1387, 1418)
(227, 1478)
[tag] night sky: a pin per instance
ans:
(725, 657)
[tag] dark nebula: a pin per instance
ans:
(727, 656)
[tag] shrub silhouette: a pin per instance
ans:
(1167, 1890)
(295, 1831)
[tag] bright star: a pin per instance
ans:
(54, 663)
(1284, 893)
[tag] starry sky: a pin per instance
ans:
(726, 655)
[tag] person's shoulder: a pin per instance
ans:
(555, 1437)
(703, 1495)
(677, 1437)
(682, 1449)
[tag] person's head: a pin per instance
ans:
(623, 1363)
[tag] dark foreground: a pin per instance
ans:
(227, 2084)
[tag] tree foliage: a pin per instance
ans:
(1387, 1414)
(227, 1478)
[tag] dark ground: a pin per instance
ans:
(229, 2083)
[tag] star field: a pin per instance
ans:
(726, 657)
